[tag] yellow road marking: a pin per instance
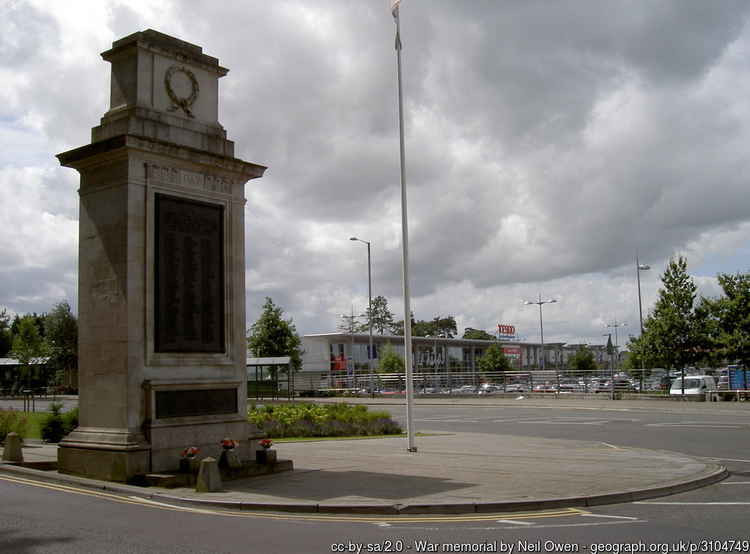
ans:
(416, 518)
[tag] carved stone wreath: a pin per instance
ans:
(183, 103)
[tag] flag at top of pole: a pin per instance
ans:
(394, 7)
(394, 11)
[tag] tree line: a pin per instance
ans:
(33, 338)
(385, 323)
(686, 330)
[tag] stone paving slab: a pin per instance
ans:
(450, 473)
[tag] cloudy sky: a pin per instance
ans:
(546, 143)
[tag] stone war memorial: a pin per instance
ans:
(161, 268)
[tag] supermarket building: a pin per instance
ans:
(329, 357)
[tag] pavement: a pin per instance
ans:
(450, 473)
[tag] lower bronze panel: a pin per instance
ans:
(183, 403)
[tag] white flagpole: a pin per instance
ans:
(405, 247)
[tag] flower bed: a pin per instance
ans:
(321, 420)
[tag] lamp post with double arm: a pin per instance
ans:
(369, 312)
(539, 303)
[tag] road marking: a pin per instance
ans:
(535, 528)
(729, 460)
(693, 425)
(416, 518)
(613, 517)
(735, 483)
(602, 422)
(611, 445)
(510, 521)
(695, 503)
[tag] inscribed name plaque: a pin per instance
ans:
(184, 403)
(189, 275)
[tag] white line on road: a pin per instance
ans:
(728, 460)
(736, 483)
(604, 515)
(693, 425)
(611, 445)
(512, 522)
(695, 503)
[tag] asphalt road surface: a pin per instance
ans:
(43, 517)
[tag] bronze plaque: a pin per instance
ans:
(198, 402)
(189, 274)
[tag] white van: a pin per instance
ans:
(694, 384)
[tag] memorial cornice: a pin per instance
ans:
(157, 42)
(94, 153)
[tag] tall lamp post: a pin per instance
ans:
(404, 242)
(369, 312)
(638, 268)
(541, 324)
(617, 353)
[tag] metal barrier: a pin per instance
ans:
(597, 383)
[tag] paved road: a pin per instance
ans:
(48, 518)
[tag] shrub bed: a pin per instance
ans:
(12, 421)
(56, 425)
(321, 420)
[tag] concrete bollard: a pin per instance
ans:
(12, 451)
(209, 478)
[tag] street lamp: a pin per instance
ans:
(616, 325)
(369, 312)
(638, 268)
(541, 324)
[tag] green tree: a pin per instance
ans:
(62, 341)
(583, 360)
(349, 324)
(477, 334)
(390, 361)
(397, 328)
(382, 318)
(28, 347)
(273, 336)
(671, 333)
(437, 327)
(494, 359)
(444, 327)
(728, 318)
(6, 341)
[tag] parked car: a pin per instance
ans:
(515, 387)
(464, 389)
(694, 385)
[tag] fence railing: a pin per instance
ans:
(558, 381)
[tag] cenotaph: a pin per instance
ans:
(161, 268)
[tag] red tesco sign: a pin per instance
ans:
(506, 329)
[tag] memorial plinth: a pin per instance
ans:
(161, 268)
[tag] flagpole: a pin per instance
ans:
(405, 247)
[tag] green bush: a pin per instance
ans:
(12, 421)
(70, 420)
(321, 420)
(52, 425)
(56, 425)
